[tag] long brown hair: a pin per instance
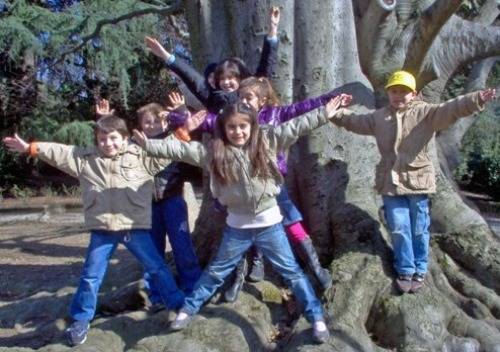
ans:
(223, 163)
(262, 88)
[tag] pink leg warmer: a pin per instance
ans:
(296, 232)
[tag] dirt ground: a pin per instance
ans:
(42, 248)
(40, 261)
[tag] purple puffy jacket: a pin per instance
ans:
(275, 115)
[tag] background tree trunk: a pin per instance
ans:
(320, 47)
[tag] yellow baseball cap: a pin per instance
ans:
(402, 78)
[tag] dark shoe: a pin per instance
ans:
(179, 324)
(241, 271)
(417, 282)
(155, 308)
(77, 332)
(257, 272)
(320, 336)
(404, 283)
(307, 253)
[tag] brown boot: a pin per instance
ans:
(417, 282)
(404, 283)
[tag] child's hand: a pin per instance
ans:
(274, 20)
(16, 144)
(487, 95)
(345, 100)
(139, 137)
(194, 121)
(175, 100)
(102, 108)
(333, 105)
(164, 116)
(156, 48)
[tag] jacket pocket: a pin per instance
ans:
(132, 169)
(419, 175)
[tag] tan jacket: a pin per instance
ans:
(403, 138)
(116, 192)
(250, 195)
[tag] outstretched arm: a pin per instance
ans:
(284, 113)
(284, 135)
(444, 114)
(193, 153)
(63, 157)
(269, 56)
(195, 81)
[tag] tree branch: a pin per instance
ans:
(371, 41)
(427, 28)
(105, 22)
(459, 43)
(488, 12)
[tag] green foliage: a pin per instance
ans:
(480, 167)
(79, 133)
(470, 8)
(54, 64)
(22, 192)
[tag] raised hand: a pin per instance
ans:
(487, 94)
(102, 108)
(333, 105)
(176, 100)
(139, 137)
(274, 20)
(195, 120)
(156, 48)
(16, 144)
(345, 100)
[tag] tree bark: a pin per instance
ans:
(331, 173)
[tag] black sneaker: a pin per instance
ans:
(257, 272)
(417, 282)
(77, 332)
(155, 308)
(179, 324)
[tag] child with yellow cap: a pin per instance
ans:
(405, 175)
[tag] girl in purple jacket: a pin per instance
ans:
(259, 94)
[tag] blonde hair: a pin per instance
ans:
(262, 88)
(152, 108)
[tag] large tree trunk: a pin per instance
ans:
(332, 171)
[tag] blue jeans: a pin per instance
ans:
(101, 247)
(274, 245)
(170, 217)
(408, 219)
(290, 213)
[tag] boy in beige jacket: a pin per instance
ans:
(117, 187)
(405, 174)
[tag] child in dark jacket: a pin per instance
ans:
(169, 208)
(227, 74)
